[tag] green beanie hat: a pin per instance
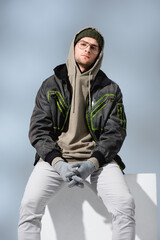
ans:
(90, 32)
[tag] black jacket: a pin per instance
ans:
(106, 120)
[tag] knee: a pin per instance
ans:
(127, 205)
(27, 205)
(130, 201)
(31, 206)
(31, 213)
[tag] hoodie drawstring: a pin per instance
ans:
(89, 91)
(74, 88)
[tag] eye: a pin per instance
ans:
(94, 48)
(83, 44)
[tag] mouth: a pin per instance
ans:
(85, 56)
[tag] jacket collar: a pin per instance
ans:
(61, 72)
(101, 79)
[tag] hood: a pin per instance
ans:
(72, 66)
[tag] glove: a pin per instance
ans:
(65, 169)
(76, 182)
(81, 169)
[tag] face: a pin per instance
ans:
(86, 57)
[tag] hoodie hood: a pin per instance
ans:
(71, 63)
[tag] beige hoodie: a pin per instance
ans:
(77, 143)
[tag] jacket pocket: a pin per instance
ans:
(100, 111)
(59, 109)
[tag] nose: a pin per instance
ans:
(88, 48)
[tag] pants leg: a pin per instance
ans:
(111, 187)
(41, 186)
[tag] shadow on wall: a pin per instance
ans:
(79, 214)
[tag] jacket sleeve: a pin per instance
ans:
(112, 138)
(41, 132)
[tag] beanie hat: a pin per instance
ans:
(90, 32)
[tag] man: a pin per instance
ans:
(77, 128)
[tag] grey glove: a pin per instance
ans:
(81, 169)
(65, 170)
(76, 182)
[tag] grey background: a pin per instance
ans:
(35, 36)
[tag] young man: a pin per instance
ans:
(77, 128)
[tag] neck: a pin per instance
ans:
(83, 69)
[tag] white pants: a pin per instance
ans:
(109, 184)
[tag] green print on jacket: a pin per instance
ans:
(62, 106)
(121, 115)
(96, 108)
(101, 103)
